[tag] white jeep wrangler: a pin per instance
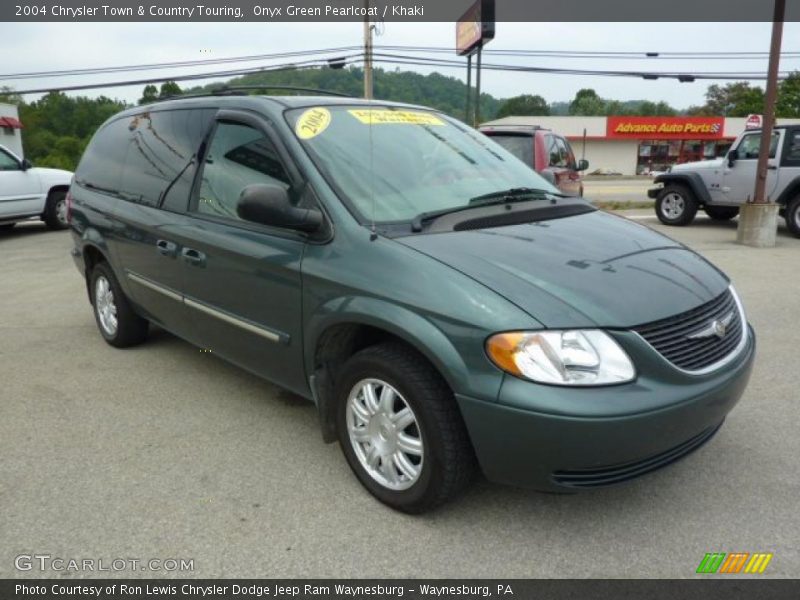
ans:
(721, 186)
(27, 192)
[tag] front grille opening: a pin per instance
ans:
(670, 337)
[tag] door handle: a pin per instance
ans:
(193, 257)
(772, 167)
(166, 248)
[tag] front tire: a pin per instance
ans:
(400, 429)
(55, 211)
(721, 213)
(676, 205)
(118, 324)
(792, 216)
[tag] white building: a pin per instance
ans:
(10, 129)
(640, 145)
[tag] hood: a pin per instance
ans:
(698, 165)
(52, 176)
(590, 270)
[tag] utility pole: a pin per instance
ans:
(367, 54)
(758, 220)
(770, 100)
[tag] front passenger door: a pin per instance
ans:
(20, 190)
(242, 280)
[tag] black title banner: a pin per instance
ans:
(674, 12)
(328, 589)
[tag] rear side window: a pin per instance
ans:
(162, 157)
(520, 146)
(102, 163)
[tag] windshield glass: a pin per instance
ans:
(421, 161)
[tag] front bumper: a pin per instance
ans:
(596, 439)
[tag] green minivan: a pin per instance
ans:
(443, 306)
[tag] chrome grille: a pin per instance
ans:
(670, 337)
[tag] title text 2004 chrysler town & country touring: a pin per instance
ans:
(441, 304)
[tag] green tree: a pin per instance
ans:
(524, 105)
(737, 99)
(788, 105)
(8, 96)
(169, 88)
(587, 103)
(149, 95)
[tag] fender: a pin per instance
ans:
(790, 192)
(91, 238)
(691, 180)
(409, 326)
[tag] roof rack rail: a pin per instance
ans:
(291, 88)
(239, 90)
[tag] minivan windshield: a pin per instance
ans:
(395, 163)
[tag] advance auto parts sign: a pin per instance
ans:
(684, 128)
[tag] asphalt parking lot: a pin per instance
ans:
(163, 452)
(618, 189)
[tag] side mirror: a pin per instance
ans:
(583, 164)
(25, 164)
(269, 204)
(733, 156)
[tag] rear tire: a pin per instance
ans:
(792, 216)
(408, 445)
(676, 205)
(118, 324)
(7, 226)
(55, 210)
(721, 213)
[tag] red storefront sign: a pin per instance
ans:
(666, 128)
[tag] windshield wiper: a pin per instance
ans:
(511, 195)
(493, 198)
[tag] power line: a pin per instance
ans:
(189, 63)
(561, 54)
(317, 63)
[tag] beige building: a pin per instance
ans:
(641, 145)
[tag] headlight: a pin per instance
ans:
(580, 357)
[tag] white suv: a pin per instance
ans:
(721, 186)
(27, 192)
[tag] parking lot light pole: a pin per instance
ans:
(758, 221)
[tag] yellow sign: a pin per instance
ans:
(386, 117)
(312, 122)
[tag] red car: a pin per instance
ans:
(547, 153)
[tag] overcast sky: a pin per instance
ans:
(50, 46)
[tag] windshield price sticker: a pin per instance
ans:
(388, 117)
(312, 122)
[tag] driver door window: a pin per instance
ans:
(8, 162)
(751, 144)
(239, 156)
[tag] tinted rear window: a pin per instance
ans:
(162, 151)
(143, 156)
(104, 158)
(520, 146)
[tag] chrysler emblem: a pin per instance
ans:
(718, 327)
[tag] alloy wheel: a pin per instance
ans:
(384, 434)
(105, 307)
